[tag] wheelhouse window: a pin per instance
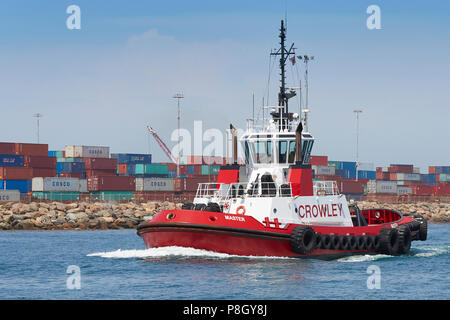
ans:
(262, 151)
(291, 158)
(282, 151)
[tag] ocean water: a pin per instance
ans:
(115, 265)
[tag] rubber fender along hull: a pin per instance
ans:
(239, 235)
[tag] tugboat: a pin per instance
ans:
(272, 207)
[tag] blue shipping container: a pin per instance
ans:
(23, 186)
(9, 160)
(60, 167)
(73, 166)
(132, 158)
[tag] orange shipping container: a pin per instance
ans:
(122, 168)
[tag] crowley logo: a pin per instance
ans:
(326, 210)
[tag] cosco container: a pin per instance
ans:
(379, 186)
(404, 190)
(9, 195)
(86, 152)
(111, 195)
(324, 170)
(10, 160)
(154, 184)
(56, 184)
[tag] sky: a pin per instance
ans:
(104, 83)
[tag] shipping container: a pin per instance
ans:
(79, 175)
(324, 170)
(401, 168)
(86, 152)
(382, 175)
(31, 149)
(366, 166)
(404, 190)
(423, 190)
(191, 184)
(40, 162)
(405, 176)
(128, 158)
(318, 160)
(73, 167)
(43, 172)
(444, 177)
(56, 196)
(154, 184)
(100, 164)
(100, 173)
(23, 186)
(442, 190)
(9, 195)
(154, 168)
(58, 185)
(111, 183)
(379, 186)
(11, 160)
(7, 148)
(111, 195)
(363, 174)
(15, 173)
(351, 187)
(122, 168)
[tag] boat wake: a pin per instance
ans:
(171, 252)
(421, 252)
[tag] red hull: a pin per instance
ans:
(239, 235)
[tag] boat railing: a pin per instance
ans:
(266, 189)
(211, 190)
(325, 188)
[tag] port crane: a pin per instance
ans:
(162, 145)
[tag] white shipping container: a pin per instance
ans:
(87, 152)
(9, 195)
(404, 190)
(324, 170)
(416, 170)
(55, 184)
(379, 186)
(408, 177)
(154, 184)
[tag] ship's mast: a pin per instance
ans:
(282, 116)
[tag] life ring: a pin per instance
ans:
(240, 210)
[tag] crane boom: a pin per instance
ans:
(162, 145)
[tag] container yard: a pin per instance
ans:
(32, 172)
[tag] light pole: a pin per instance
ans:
(37, 116)
(357, 140)
(178, 96)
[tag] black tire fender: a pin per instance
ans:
(326, 241)
(389, 241)
(404, 239)
(303, 239)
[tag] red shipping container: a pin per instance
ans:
(31, 149)
(319, 160)
(382, 175)
(351, 187)
(16, 173)
(431, 170)
(100, 173)
(40, 162)
(401, 168)
(423, 190)
(7, 148)
(100, 163)
(44, 172)
(78, 175)
(122, 168)
(442, 189)
(111, 183)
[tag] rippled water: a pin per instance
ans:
(115, 265)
